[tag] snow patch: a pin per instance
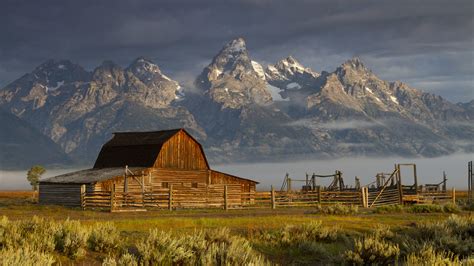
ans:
(293, 86)
(259, 69)
(394, 99)
(236, 46)
(226, 89)
(218, 72)
(58, 85)
(369, 90)
(272, 69)
(275, 93)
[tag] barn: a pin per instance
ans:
(139, 164)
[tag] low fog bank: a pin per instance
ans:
(429, 170)
(16, 180)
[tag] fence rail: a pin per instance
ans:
(231, 197)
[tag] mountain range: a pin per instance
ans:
(240, 109)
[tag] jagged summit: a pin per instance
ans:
(232, 79)
(356, 64)
(235, 46)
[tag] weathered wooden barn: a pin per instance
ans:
(140, 165)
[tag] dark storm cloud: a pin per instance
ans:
(429, 44)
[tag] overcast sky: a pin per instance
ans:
(428, 44)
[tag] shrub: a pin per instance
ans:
(109, 261)
(71, 239)
(336, 209)
(37, 234)
(127, 259)
(25, 256)
(428, 208)
(372, 250)
(451, 208)
(292, 235)
(389, 209)
(104, 237)
(428, 256)
(454, 235)
(201, 248)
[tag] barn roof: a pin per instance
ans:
(91, 175)
(135, 149)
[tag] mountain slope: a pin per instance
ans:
(242, 110)
(22, 146)
(81, 112)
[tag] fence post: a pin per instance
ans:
(318, 190)
(112, 198)
(453, 193)
(83, 192)
(365, 194)
(273, 198)
(362, 194)
(170, 198)
(225, 198)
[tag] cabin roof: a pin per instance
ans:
(238, 177)
(91, 175)
(136, 149)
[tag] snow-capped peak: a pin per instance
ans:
(258, 69)
(236, 46)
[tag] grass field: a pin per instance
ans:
(251, 225)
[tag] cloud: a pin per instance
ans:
(399, 39)
(336, 125)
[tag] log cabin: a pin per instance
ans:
(144, 162)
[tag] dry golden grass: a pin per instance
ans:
(16, 194)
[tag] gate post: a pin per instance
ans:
(83, 192)
(273, 198)
(453, 193)
(364, 197)
(318, 190)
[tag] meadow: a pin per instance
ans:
(334, 235)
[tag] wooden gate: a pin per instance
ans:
(390, 193)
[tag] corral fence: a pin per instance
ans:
(230, 196)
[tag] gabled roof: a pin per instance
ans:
(91, 175)
(136, 149)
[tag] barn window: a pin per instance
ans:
(164, 184)
(194, 185)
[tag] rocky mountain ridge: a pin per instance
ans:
(240, 109)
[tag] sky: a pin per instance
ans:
(427, 44)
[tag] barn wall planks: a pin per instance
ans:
(60, 194)
(181, 152)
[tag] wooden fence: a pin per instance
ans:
(231, 197)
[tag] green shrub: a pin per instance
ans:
(109, 261)
(389, 209)
(336, 209)
(71, 239)
(454, 235)
(451, 208)
(292, 235)
(372, 250)
(201, 248)
(428, 256)
(127, 259)
(25, 256)
(425, 208)
(104, 237)
(37, 234)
